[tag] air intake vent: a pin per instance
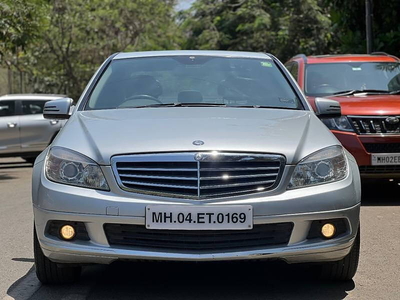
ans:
(198, 175)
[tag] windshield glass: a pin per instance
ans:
(329, 79)
(204, 80)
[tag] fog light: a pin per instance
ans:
(328, 230)
(67, 232)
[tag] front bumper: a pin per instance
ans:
(97, 250)
(355, 145)
(53, 201)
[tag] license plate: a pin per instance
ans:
(180, 217)
(385, 159)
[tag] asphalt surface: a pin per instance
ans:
(377, 278)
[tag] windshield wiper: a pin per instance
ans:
(352, 92)
(176, 104)
(395, 92)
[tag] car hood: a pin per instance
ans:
(368, 105)
(102, 134)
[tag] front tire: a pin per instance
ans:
(346, 268)
(49, 272)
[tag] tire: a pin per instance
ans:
(346, 268)
(49, 272)
(30, 160)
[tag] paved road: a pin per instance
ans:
(377, 278)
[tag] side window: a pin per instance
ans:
(294, 70)
(32, 107)
(7, 108)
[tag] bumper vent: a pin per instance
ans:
(379, 169)
(376, 125)
(382, 148)
(138, 236)
(198, 175)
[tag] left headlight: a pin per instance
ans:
(324, 166)
(342, 124)
(70, 167)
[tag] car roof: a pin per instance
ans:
(338, 58)
(44, 97)
(192, 52)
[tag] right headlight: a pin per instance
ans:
(69, 167)
(324, 166)
(342, 124)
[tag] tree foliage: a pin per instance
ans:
(282, 27)
(80, 34)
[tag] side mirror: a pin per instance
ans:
(58, 109)
(327, 108)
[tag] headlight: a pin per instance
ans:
(70, 167)
(341, 123)
(324, 166)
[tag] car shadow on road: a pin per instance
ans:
(380, 193)
(230, 281)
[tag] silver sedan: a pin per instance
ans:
(194, 156)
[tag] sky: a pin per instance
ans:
(184, 4)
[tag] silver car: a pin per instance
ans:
(194, 156)
(23, 130)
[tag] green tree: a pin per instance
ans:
(81, 34)
(282, 27)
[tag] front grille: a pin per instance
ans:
(375, 124)
(138, 236)
(198, 175)
(379, 169)
(382, 148)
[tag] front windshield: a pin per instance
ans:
(200, 80)
(333, 78)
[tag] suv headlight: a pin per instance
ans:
(342, 123)
(324, 166)
(70, 167)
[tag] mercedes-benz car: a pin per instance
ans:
(194, 156)
(23, 130)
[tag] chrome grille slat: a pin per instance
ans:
(374, 125)
(160, 185)
(205, 187)
(158, 177)
(200, 175)
(239, 176)
(156, 169)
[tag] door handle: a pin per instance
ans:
(12, 125)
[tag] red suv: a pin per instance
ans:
(368, 89)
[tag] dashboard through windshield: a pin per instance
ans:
(193, 80)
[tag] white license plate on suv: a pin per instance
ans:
(385, 159)
(181, 217)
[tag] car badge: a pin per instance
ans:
(198, 143)
(392, 120)
(198, 156)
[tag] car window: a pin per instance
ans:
(193, 79)
(32, 107)
(294, 70)
(330, 78)
(7, 108)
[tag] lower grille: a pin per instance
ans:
(379, 169)
(199, 241)
(382, 148)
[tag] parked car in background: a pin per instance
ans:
(368, 89)
(23, 130)
(194, 156)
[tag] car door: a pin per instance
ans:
(9, 128)
(36, 132)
